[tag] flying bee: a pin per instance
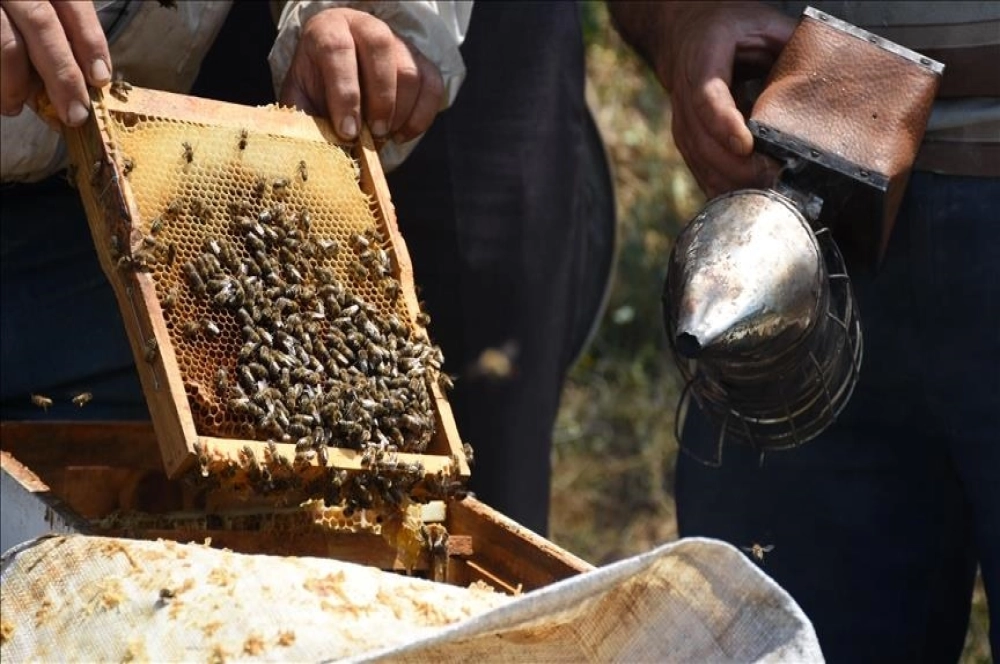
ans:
(303, 173)
(41, 401)
(82, 399)
(244, 135)
(188, 152)
(150, 350)
(757, 551)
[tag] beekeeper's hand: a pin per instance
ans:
(694, 48)
(58, 46)
(350, 66)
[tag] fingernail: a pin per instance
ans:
(380, 128)
(736, 145)
(77, 114)
(349, 127)
(99, 72)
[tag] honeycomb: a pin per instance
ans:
(277, 287)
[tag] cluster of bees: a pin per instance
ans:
(314, 364)
(318, 366)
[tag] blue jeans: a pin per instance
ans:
(878, 524)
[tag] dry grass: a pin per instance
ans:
(614, 453)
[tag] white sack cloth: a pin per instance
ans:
(83, 598)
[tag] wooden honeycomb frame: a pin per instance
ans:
(112, 209)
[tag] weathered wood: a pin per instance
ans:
(112, 210)
(507, 550)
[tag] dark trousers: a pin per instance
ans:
(507, 211)
(878, 524)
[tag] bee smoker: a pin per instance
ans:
(758, 305)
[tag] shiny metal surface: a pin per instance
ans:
(747, 274)
(761, 317)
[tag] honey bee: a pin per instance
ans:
(82, 399)
(125, 263)
(190, 329)
(174, 207)
(114, 247)
(280, 187)
(150, 350)
(188, 152)
(194, 279)
(156, 226)
(167, 594)
(95, 171)
(244, 135)
(423, 319)
(71, 172)
(120, 87)
(757, 551)
(222, 380)
(127, 165)
(303, 173)
(171, 254)
(41, 401)
(260, 187)
(200, 210)
(210, 328)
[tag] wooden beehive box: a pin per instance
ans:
(267, 294)
(105, 479)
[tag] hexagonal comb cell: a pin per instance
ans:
(270, 292)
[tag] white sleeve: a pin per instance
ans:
(435, 28)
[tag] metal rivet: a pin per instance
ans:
(925, 61)
(814, 153)
(823, 17)
(863, 173)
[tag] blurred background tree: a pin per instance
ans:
(615, 449)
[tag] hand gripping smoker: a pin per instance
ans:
(758, 305)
